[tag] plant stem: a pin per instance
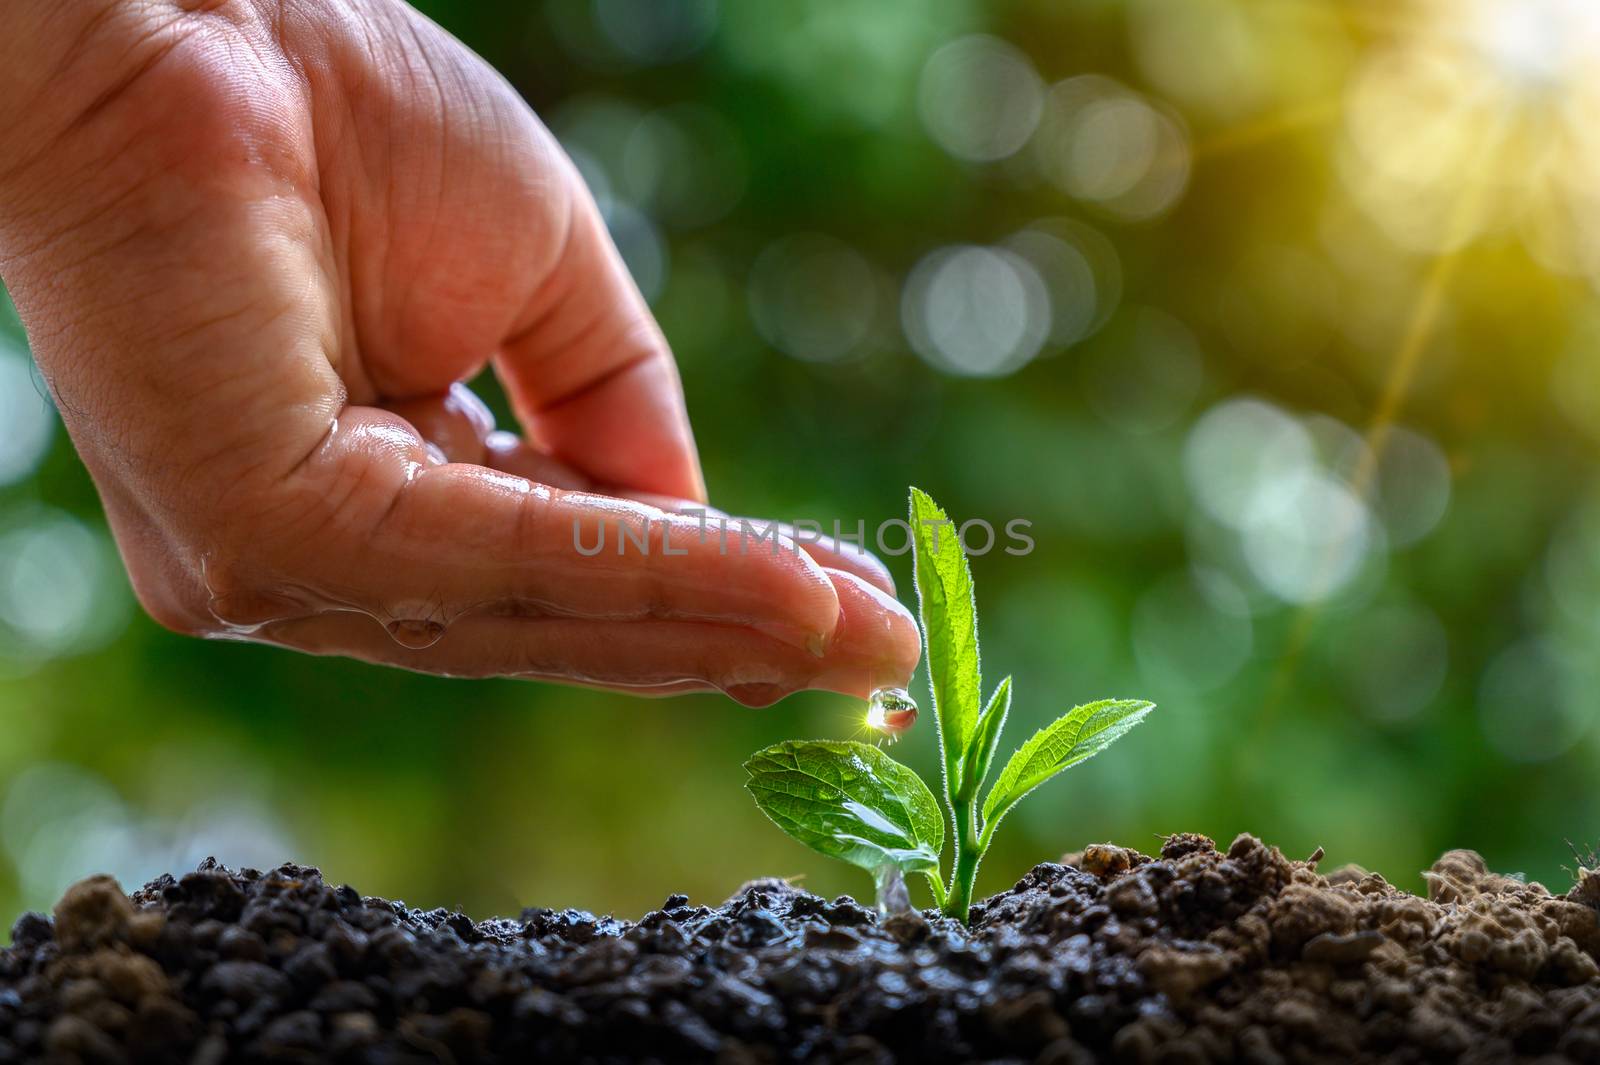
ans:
(968, 852)
(937, 888)
(988, 835)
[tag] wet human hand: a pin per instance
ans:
(258, 246)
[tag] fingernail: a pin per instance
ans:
(817, 644)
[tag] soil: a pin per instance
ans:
(1194, 955)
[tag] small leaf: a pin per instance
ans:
(984, 741)
(849, 800)
(1080, 734)
(950, 631)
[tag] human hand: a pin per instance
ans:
(259, 244)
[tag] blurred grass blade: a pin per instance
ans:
(950, 631)
(849, 800)
(1078, 735)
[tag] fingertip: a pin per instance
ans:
(695, 475)
(455, 422)
(509, 453)
(877, 644)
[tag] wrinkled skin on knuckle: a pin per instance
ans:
(225, 572)
(229, 552)
(147, 265)
(170, 591)
(102, 124)
(184, 546)
(440, 199)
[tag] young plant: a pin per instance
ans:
(850, 800)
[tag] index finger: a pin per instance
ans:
(383, 530)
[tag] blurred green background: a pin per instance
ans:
(1277, 318)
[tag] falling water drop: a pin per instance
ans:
(891, 712)
(414, 633)
(893, 897)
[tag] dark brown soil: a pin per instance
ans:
(1195, 955)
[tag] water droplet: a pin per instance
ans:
(893, 896)
(891, 712)
(415, 634)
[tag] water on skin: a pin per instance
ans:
(415, 634)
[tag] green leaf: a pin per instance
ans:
(849, 800)
(987, 737)
(1078, 735)
(950, 631)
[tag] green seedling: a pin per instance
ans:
(850, 800)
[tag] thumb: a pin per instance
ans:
(589, 372)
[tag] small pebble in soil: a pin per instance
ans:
(1197, 954)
